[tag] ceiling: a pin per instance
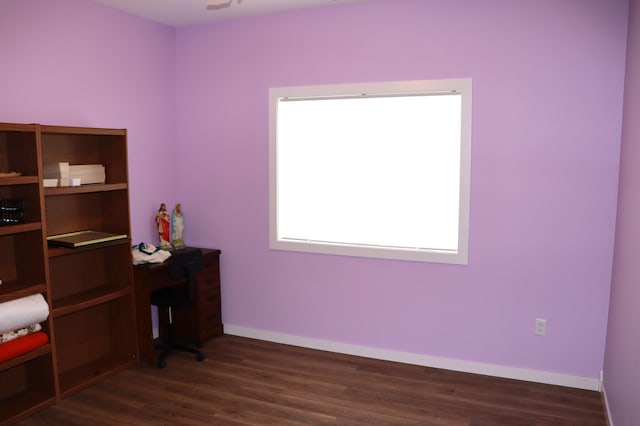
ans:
(182, 13)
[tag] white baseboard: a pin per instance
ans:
(605, 402)
(417, 359)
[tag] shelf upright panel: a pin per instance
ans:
(28, 380)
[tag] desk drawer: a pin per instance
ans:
(209, 299)
(208, 281)
(210, 321)
(209, 309)
(209, 277)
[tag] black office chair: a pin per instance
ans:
(183, 265)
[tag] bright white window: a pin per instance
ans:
(375, 170)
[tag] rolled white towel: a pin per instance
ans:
(23, 312)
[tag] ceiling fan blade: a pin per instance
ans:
(218, 4)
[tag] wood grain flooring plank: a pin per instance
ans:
(251, 382)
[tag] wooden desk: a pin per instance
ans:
(198, 322)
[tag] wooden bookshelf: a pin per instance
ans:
(89, 289)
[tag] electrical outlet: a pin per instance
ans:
(541, 327)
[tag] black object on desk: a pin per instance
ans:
(199, 321)
(183, 265)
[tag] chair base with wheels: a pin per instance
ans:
(182, 266)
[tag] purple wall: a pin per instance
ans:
(622, 358)
(548, 86)
(70, 62)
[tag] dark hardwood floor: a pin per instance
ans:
(246, 381)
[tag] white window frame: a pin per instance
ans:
(421, 87)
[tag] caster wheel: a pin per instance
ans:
(162, 364)
(200, 357)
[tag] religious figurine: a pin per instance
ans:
(177, 226)
(162, 220)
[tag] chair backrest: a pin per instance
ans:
(186, 263)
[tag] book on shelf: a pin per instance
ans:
(83, 238)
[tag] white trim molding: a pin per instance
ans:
(588, 383)
(605, 401)
(419, 132)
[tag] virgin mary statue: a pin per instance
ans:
(177, 226)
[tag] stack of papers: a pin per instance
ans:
(88, 173)
(69, 174)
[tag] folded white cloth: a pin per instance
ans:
(23, 312)
(21, 332)
(148, 253)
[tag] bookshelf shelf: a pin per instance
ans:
(83, 189)
(19, 180)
